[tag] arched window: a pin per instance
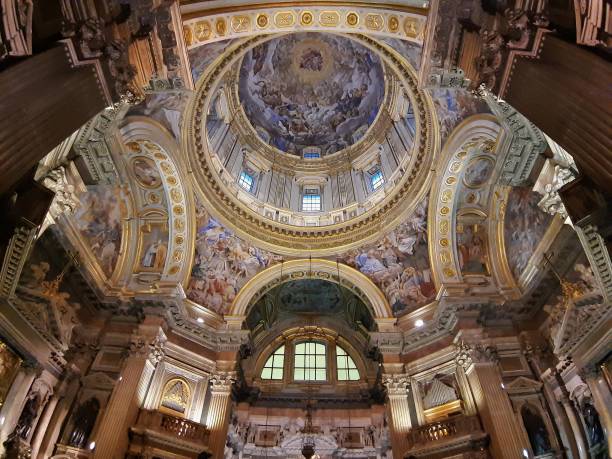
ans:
(310, 362)
(273, 369)
(347, 370)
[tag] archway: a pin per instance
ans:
(317, 268)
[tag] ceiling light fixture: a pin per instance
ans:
(419, 323)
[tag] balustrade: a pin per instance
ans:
(158, 425)
(441, 430)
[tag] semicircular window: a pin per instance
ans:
(273, 369)
(347, 370)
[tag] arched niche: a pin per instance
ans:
(328, 270)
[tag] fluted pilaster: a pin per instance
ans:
(399, 410)
(494, 407)
(217, 420)
(122, 410)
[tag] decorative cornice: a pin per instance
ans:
(526, 142)
(15, 256)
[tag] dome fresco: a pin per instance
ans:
(311, 90)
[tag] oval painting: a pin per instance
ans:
(146, 172)
(478, 172)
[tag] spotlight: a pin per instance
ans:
(419, 323)
(200, 320)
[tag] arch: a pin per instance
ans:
(317, 268)
(408, 23)
(153, 140)
(473, 139)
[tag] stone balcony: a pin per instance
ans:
(458, 436)
(156, 432)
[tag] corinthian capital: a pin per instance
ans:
(467, 353)
(150, 346)
(221, 382)
(397, 383)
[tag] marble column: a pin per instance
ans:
(602, 398)
(122, 410)
(15, 399)
(66, 395)
(493, 403)
(538, 356)
(43, 424)
(217, 420)
(399, 410)
(575, 425)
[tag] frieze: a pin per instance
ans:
(405, 23)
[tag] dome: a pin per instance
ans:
(308, 140)
(314, 90)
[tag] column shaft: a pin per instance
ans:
(217, 421)
(42, 425)
(11, 410)
(576, 429)
(496, 411)
(121, 411)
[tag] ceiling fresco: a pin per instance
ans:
(524, 227)
(399, 263)
(223, 264)
(409, 50)
(311, 90)
(310, 295)
(453, 106)
(98, 219)
(312, 298)
(201, 57)
(164, 107)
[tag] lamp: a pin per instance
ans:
(308, 442)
